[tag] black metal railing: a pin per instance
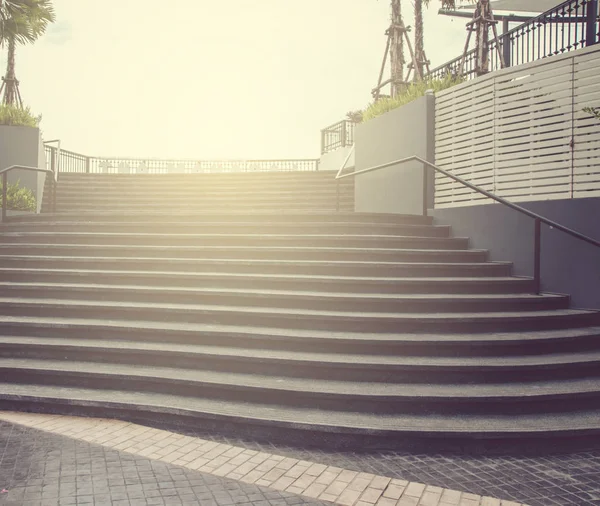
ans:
(338, 135)
(538, 219)
(570, 25)
(70, 161)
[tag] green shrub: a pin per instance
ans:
(412, 92)
(18, 198)
(18, 116)
(593, 111)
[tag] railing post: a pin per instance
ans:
(87, 164)
(590, 22)
(4, 199)
(506, 49)
(425, 192)
(343, 133)
(322, 142)
(537, 254)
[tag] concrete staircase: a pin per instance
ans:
(244, 303)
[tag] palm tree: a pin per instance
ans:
(21, 22)
(419, 40)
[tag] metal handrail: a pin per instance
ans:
(4, 174)
(538, 218)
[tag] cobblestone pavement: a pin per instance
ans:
(311, 479)
(42, 469)
(552, 480)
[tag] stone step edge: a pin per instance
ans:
(317, 389)
(307, 419)
(292, 294)
(261, 276)
(331, 359)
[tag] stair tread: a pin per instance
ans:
(226, 235)
(514, 390)
(282, 333)
(310, 419)
(359, 360)
(145, 247)
(282, 293)
(464, 316)
(201, 275)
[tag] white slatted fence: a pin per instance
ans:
(522, 132)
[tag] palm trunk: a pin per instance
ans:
(10, 81)
(419, 42)
(397, 49)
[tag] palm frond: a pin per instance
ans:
(24, 20)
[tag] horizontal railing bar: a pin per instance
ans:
(488, 194)
(24, 167)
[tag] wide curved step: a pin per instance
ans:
(301, 425)
(289, 298)
(532, 342)
(300, 318)
(576, 362)
(263, 240)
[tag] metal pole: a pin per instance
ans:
(425, 192)
(537, 253)
(4, 199)
(590, 24)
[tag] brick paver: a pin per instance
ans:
(40, 468)
(311, 480)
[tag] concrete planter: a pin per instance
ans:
(24, 146)
(401, 133)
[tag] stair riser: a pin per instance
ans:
(224, 216)
(153, 194)
(210, 205)
(266, 340)
(285, 301)
(357, 402)
(330, 255)
(166, 199)
(225, 228)
(229, 182)
(254, 282)
(241, 241)
(326, 370)
(264, 318)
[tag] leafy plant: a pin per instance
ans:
(19, 198)
(412, 92)
(593, 111)
(355, 116)
(18, 116)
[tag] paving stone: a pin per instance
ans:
(561, 479)
(42, 468)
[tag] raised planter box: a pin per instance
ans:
(24, 146)
(401, 133)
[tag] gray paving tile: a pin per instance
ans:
(561, 479)
(39, 468)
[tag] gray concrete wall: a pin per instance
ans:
(568, 265)
(334, 159)
(23, 146)
(403, 132)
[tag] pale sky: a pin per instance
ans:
(210, 79)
